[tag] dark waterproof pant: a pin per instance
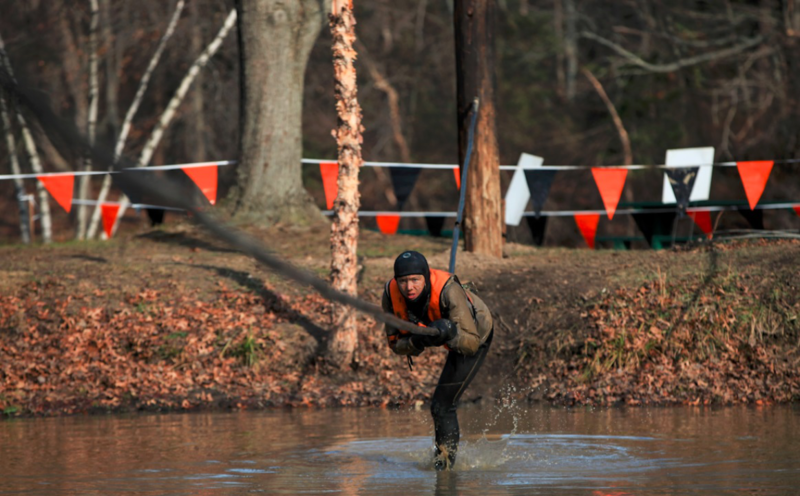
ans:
(458, 372)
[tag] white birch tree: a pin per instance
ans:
(19, 184)
(33, 157)
(119, 146)
(91, 118)
(166, 117)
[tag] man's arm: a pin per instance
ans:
(399, 344)
(454, 300)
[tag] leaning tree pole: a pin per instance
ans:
(475, 68)
(344, 231)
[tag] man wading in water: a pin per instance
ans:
(436, 299)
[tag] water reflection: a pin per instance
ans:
(505, 451)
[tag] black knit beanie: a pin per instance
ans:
(411, 262)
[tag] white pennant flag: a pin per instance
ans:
(690, 157)
(518, 194)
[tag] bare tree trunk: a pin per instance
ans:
(91, 119)
(196, 141)
(126, 123)
(33, 157)
(344, 232)
(558, 22)
(571, 46)
(19, 185)
(275, 40)
(113, 57)
(72, 67)
(475, 69)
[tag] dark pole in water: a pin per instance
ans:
(463, 193)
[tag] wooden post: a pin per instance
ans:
(475, 69)
(344, 231)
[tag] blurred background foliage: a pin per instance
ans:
(680, 73)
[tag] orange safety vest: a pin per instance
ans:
(438, 279)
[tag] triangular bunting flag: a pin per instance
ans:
(330, 181)
(435, 224)
(388, 223)
(753, 217)
(109, 212)
(703, 220)
(206, 179)
(682, 181)
(610, 183)
(539, 182)
(796, 210)
(653, 224)
(538, 226)
(457, 174)
(60, 187)
(587, 223)
(754, 177)
(403, 181)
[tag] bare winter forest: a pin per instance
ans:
(678, 74)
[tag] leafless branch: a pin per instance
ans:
(678, 64)
(623, 134)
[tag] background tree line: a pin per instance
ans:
(679, 73)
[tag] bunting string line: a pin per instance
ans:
(544, 213)
(309, 161)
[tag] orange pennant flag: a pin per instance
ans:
(587, 223)
(754, 178)
(60, 187)
(206, 179)
(330, 181)
(109, 212)
(703, 220)
(610, 183)
(388, 223)
(457, 174)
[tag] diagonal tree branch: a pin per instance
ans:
(137, 100)
(678, 64)
(623, 134)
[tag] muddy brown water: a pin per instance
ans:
(505, 450)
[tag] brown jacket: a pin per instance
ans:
(472, 332)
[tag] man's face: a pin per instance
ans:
(411, 286)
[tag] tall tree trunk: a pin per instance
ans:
(196, 140)
(558, 28)
(128, 121)
(475, 69)
(791, 46)
(33, 157)
(19, 185)
(113, 49)
(91, 118)
(571, 46)
(275, 40)
(344, 232)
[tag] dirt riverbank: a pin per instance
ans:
(172, 320)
